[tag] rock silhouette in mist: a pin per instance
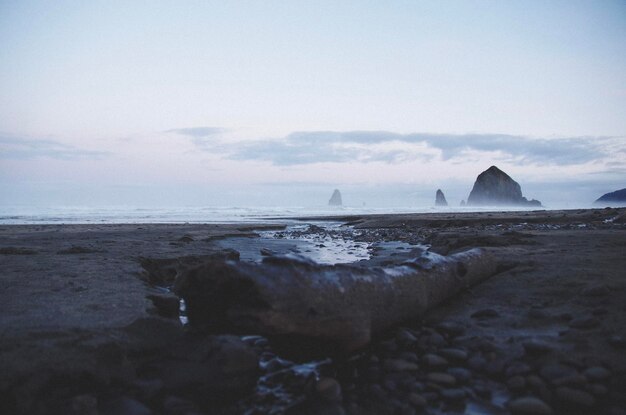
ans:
(440, 199)
(617, 197)
(335, 199)
(462, 203)
(495, 187)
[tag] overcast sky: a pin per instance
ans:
(155, 102)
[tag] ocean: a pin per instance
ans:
(199, 214)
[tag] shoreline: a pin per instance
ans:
(74, 302)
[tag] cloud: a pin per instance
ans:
(202, 137)
(22, 148)
(198, 132)
(301, 148)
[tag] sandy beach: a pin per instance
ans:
(88, 324)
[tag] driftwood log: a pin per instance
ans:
(343, 305)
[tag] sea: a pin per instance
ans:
(10, 215)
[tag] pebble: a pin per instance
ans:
(597, 373)
(535, 347)
(124, 406)
(554, 371)
(529, 406)
(619, 342)
(417, 400)
(571, 380)
(84, 405)
(476, 362)
(485, 313)
(597, 389)
(454, 354)
(441, 378)
(436, 339)
(461, 374)
(574, 397)
(398, 365)
(329, 389)
(404, 336)
(433, 360)
(516, 383)
(453, 394)
(585, 322)
(451, 328)
(599, 290)
(517, 368)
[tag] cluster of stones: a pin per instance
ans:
(440, 370)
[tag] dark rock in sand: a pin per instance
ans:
(329, 389)
(485, 313)
(74, 250)
(584, 322)
(11, 250)
(335, 199)
(440, 199)
(597, 373)
(599, 290)
(574, 397)
(167, 305)
(617, 198)
(495, 187)
(529, 406)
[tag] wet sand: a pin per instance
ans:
(74, 305)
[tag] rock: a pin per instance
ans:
(597, 373)
(398, 365)
(485, 313)
(433, 360)
(124, 406)
(599, 290)
(451, 328)
(175, 405)
(167, 305)
(441, 378)
(574, 397)
(417, 400)
(74, 250)
(584, 322)
(461, 374)
(516, 383)
(617, 341)
(329, 389)
(535, 347)
(529, 406)
(616, 198)
(462, 204)
(476, 362)
(458, 355)
(11, 250)
(440, 199)
(84, 405)
(517, 368)
(335, 199)
(221, 366)
(495, 187)
(555, 371)
(453, 394)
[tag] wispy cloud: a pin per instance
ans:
(203, 137)
(26, 148)
(300, 148)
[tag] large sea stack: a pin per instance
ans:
(616, 198)
(495, 187)
(335, 199)
(440, 199)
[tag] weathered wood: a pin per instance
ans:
(342, 304)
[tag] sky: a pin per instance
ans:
(280, 102)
